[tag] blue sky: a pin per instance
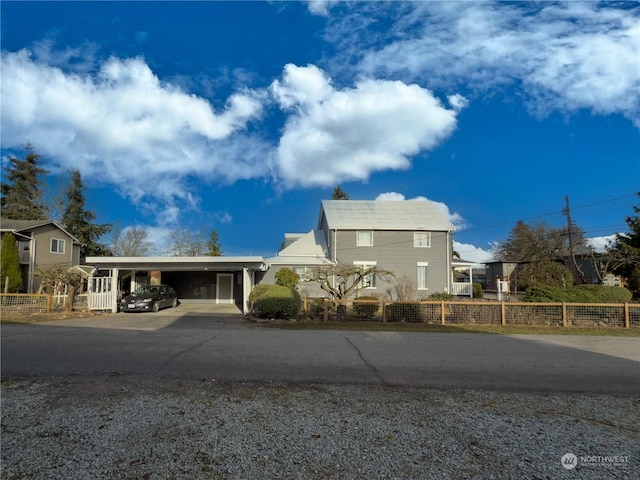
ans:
(243, 116)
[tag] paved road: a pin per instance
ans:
(226, 347)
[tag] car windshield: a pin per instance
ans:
(146, 289)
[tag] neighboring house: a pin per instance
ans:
(41, 244)
(588, 269)
(498, 270)
(411, 239)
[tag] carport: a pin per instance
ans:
(215, 280)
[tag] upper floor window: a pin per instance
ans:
(421, 239)
(57, 245)
(364, 238)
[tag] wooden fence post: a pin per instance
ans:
(503, 313)
(304, 306)
(384, 311)
(442, 312)
(49, 303)
(564, 314)
(325, 312)
(627, 319)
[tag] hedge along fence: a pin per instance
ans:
(623, 315)
(25, 303)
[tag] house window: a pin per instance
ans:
(423, 276)
(302, 272)
(57, 245)
(364, 238)
(368, 281)
(422, 239)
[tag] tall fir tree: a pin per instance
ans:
(213, 245)
(10, 264)
(624, 253)
(339, 194)
(79, 222)
(22, 193)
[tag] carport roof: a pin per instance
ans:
(180, 263)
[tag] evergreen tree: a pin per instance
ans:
(22, 193)
(624, 253)
(78, 221)
(536, 243)
(213, 245)
(10, 264)
(339, 194)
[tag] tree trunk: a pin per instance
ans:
(68, 307)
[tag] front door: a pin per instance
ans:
(224, 288)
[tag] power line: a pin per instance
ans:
(557, 212)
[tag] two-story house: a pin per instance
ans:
(41, 244)
(412, 239)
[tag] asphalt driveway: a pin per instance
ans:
(186, 343)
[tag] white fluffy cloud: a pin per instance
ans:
(472, 253)
(125, 127)
(565, 57)
(443, 208)
(600, 244)
(333, 135)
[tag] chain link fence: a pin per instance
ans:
(476, 313)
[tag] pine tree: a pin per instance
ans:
(624, 253)
(339, 194)
(10, 264)
(78, 221)
(22, 194)
(213, 245)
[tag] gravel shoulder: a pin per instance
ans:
(124, 427)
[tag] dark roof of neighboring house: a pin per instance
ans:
(10, 225)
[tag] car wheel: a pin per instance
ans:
(156, 306)
(174, 304)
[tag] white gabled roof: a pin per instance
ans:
(308, 244)
(384, 215)
(308, 249)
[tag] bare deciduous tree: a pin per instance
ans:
(343, 280)
(131, 242)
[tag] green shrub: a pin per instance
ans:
(278, 302)
(404, 312)
(368, 309)
(258, 291)
(578, 294)
(477, 290)
(442, 296)
(287, 277)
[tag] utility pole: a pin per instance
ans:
(567, 211)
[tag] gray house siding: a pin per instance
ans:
(394, 251)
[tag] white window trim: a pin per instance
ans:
(58, 240)
(415, 240)
(364, 263)
(423, 264)
(358, 244)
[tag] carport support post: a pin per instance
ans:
(248, 279)
(114, 290)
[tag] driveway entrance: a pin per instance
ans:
(204, 307)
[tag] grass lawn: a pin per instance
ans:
(429, 328)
